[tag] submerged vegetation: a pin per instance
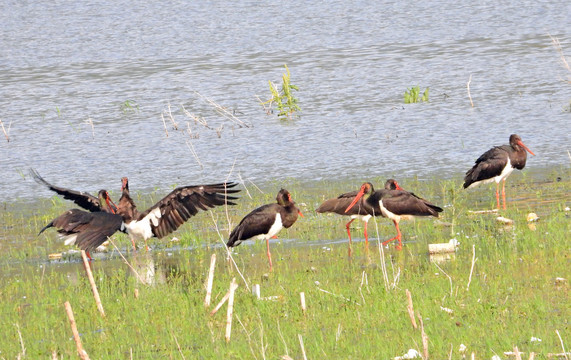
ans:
(506, 286)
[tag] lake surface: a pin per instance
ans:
(84, 89)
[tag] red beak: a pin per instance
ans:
(108, 201)
(300, 214)
(520, 143)
(359, 195)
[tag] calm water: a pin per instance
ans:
(67, 68)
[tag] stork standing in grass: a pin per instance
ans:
(497, 164)
(266, 222)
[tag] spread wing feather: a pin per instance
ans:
(184, 202)
(80, 198)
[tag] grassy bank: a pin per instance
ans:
(514, 293)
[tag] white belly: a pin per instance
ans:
(393, 216)
(274, 230)
(141, 229)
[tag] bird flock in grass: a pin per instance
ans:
(89, 228)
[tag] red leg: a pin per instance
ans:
(349, 233)
(498, 194)
(133, 242)
(366, 239)
(503, 193)
(398, 237)
(89, 256)
(269, 254)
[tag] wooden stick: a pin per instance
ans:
(531, 356)
(256, 291)
(302, 301)
(233, 286)
(424, 338)
(410, 309)
(210, 280)
(80, 351)
(560, 355)
(517, 353)
(468, 87)
(136, 294)
(442, 248)
(472, 268)
(92, 282)
(224, 299)
(302, 347)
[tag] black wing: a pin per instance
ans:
(90, 229)
(182, 203)
(257, 222)
(80, 198)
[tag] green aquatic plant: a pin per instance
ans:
(284, 99)
(412, 95)
(129, 106)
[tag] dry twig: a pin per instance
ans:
(449, 278)
(562, 346)
(424, 338)
(410, 309)
(224, 112)
(21, 340)
(129, 265)
(302, 347)
(474, 259)
(178, 345)
(6, 131)
(468, 87)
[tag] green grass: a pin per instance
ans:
(513, 294)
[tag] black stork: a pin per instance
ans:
(86, 229)
(89, 230)
(266, 221)
(497, 164)
(80, 198)
(396, 205)
(169, 213)
(362, 211)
